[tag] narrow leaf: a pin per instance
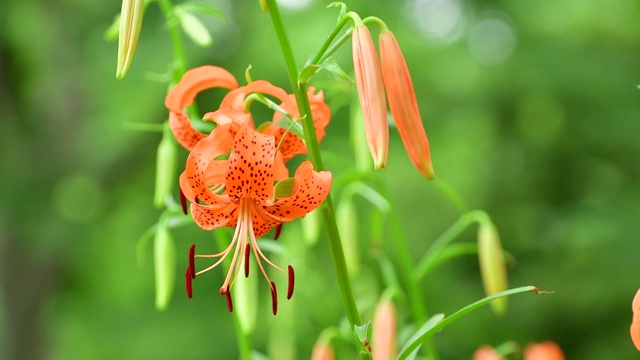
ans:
(332, 66)
(438, 322)
(203, 9)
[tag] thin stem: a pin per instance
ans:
(179, 55)
(320, 55)
(313, 149)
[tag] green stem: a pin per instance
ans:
(313, 149)
(320, 55)
(179, 55)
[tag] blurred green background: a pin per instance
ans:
(532, 113)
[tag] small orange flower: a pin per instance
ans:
(183, 94)
(635, 324)
(371, 94)
(486, 352)
(403, 104)
(547, 350)
(239, 192)
(384, 331)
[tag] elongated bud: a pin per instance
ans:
(371, 94)
(322, 351)
(384, 331)
(492, 264)
(547, 350)
(130, 25)
(403, 104)
(165, 266)
(635, 324)
(165, 168)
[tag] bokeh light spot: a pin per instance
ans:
(491, 39)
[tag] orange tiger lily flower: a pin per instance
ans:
(635, 324)
(183, 95)
(403, 104)
(248, 201)
(371, 93)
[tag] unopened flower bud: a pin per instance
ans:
(130, 25)
(492, 264)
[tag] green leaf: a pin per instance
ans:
(438, 322)
(194, 28)
(332, 66)
(347, 216)
(165, 266)
(202, 9)
(363, 334)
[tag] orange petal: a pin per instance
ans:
(547, 350)
(261, 221)
(235, 99)
(486, 352)
(403, 104)
(230, 116)
(193, 182)
(371, 94)
(635, 334)
(310, 189)
(635, 304)
(212, 217)
(183, 94)
(195, 81)
(251, 166)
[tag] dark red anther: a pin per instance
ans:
(192, 261)
(292, 280)
(247, 251)
(278, 231)
(227, 294)
(183, 202)
(187, 281)
(274, 298)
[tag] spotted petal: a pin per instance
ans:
(251, 172)
(310, 189)
(201, 160)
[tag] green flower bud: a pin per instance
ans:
(165, 168)
(492, 264)
(130, 25)
(164, 264)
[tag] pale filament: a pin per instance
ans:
(258, 254)
(222, 254)
(240, 238)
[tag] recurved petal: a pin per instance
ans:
(195, 81)
(251, 172)
(310, 189)
(403, 104)
(209, 217)
(182, 130)
(371, 94)
(235, 99)
(193, 181)
(261, 221)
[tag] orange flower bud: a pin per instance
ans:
(547, 350)
(371, 94)
(322, 351)
(384, 331)
(403, 104)
(486, 352)
(635, 325)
